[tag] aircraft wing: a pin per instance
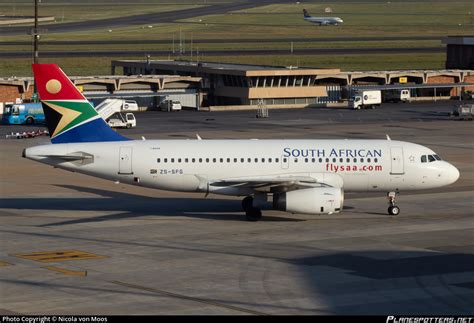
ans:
(279, 182)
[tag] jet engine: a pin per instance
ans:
(318, 200)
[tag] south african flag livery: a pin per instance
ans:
(69, 116)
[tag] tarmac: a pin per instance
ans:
(73, 244)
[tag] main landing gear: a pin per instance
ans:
(392, 209)
(252, 213)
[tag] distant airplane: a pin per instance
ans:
(297, 176)
(322, 20)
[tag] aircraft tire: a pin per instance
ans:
(247, 203)
(393, 210)
(253, 214)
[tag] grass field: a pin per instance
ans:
(366, 18)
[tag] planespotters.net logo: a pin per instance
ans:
(433, 319)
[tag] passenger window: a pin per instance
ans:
(362, 160)
(242, 160)
(284, 160)
(193, 160)
(228, 160)
(368, 160)
(172, 160)
(263, 160)
(269, 160)
(235, 160)
(296, 160)
(376, 160)
(431, 158)
(320, 160)
(276, 160)
(249, 160)
(158, 160)
(334, 160)
(355, 160)
(256, 160)
(313, 160)
(179, 160)
(207, 160)
(306, 160)
(165, 160)
(200, 160)
(348, 160)
(186, 160)
(327, 160)
(341, 160)
(214, 160)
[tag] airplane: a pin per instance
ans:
(296, 176)
(322, 20)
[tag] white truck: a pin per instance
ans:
(397, 95)
(170, 105)
(365, 99)
(111, 110)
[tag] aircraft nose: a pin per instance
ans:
(452, 173)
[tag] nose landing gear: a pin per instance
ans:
(392, 209)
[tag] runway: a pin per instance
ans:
(153, 18)
(143, 251)
(234, 52)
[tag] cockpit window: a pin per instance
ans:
(429, 158)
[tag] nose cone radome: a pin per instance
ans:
(452, 174)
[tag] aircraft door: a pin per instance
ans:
(285, 162)
(125, 160)
(397, 167)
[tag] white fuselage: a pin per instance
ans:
(324, 20)
(190, 165)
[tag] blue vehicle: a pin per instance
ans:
(23, 113)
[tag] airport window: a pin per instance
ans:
(158, 160)
(165, 160)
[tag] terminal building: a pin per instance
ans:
(249, 85)
(460, 52)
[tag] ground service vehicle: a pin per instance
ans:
(170, 105)
(365, 99)
(111, 110)
(23, 113)
(397, 95)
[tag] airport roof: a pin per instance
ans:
(459, 40)
(228, 68)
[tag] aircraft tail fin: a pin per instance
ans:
(69, 116)
(306, 13)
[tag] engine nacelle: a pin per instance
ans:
(318, 200)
